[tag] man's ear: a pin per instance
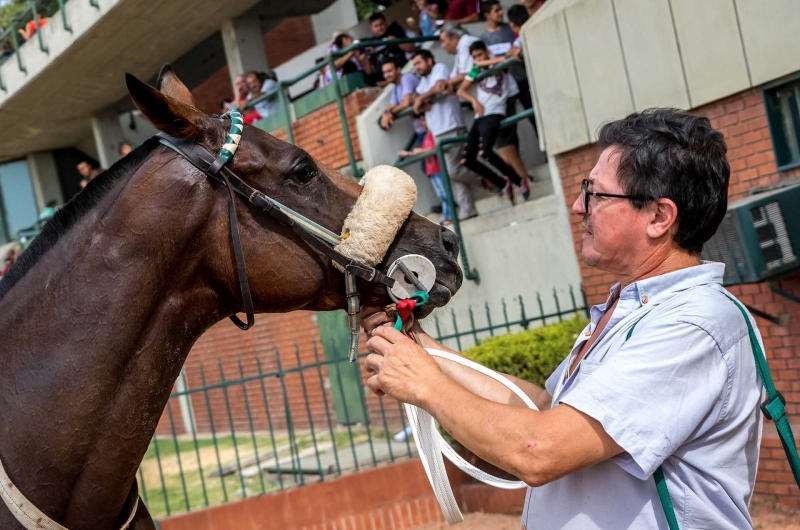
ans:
(664, 218)
(172, 111)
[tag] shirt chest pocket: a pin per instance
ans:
(588, 366)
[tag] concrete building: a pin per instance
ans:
(63, 97)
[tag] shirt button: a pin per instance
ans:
(588, 332)
(645, 300)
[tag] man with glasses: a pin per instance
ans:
(659, 391)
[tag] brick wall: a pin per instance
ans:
(742, 119)
(285, 41)
(392, 497)
(320, 132)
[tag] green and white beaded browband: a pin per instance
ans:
(234, 135)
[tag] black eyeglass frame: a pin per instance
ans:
(586, 194)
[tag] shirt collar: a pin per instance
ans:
(659, 288)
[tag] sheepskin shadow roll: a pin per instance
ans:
(381, 209)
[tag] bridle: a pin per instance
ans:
(316, 236)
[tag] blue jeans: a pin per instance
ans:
(437, 181)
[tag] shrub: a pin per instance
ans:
(531, 355)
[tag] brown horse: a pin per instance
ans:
(99, 314)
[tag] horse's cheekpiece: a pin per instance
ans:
(372, 225)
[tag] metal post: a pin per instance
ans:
(337, 90)
(287, 115)
(64, 16)
(469, 273)
(15, 43)
(38, 27)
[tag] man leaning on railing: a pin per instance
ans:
(444, 121)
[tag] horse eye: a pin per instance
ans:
(304, 172)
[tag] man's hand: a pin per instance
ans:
(403, 370)
(479, 110)
(387, 120)
(442, 86)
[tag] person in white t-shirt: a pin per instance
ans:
(456, 42)
(488, 98)
(444, 120)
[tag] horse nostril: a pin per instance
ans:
(449, 242)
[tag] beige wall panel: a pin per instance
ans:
(600, 66)
(547, 47)
(771, 37)
(651, 54)
(711, 47)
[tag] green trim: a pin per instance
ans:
(773, 408)
(780, 148)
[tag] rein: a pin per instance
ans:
(313, 234)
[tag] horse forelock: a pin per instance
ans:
(66, 216)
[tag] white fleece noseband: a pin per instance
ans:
(384, 205)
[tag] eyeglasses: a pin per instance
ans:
(586, 194)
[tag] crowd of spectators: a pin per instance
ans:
(250, 86)
(490, 157)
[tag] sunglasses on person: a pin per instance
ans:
(586, 194)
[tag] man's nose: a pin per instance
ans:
(577, 206)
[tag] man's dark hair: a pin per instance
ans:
(477, 45)
(669, 153)
(518, 14)
(425, 54)
(392, 60)
(377, 16)
(339, 40)
(486, 6)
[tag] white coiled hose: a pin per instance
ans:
(431, 446)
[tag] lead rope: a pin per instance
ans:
(431, 446)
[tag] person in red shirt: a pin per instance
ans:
(30, 28)
(463, 11)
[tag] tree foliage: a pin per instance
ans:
(17, 13)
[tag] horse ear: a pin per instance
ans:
(166, 112)
(169, 84)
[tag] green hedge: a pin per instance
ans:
(531, 355)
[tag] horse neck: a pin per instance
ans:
(94, 336)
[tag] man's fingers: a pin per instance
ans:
(373, 362)
(389, 333)
(375, 388)
(378, 344)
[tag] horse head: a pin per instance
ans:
(284, 272)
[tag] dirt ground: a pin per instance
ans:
(765, 517)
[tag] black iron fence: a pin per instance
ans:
(253, 424)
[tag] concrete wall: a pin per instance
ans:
(597, 60)
(44, 177)
(340, 15)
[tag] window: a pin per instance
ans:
(783, 112)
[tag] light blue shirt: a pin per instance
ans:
(683, 393)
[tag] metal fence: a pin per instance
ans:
(254, 424)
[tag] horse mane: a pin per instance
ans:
(66, 216)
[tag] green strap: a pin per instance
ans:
(773, 408)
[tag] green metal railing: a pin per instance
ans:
(283, 86)
(11, 41)
(262, 423)
(450, 143)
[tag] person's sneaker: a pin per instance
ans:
(509, 190)
(525, 188)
